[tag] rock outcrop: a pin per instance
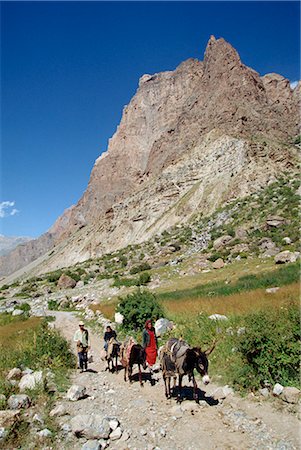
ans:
(189, 140)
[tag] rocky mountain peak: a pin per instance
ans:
(219, 57)
(181, 125)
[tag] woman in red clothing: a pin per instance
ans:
(149, 343)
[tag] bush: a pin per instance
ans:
(270, 349)
(53, 305)
(52, 277)
(143, 279)
(24, 307)
(140, 268)
(137, 308)
(4, 287)
(75, 276)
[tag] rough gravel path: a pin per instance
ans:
(152, 422)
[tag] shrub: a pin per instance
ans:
(75, 276)
(137, 308)
(143, 279)
(270, 348)
(24, 307)
(123, 261)
(53, 305)
(4, 287)
(52, 277)
(215, 256)
(140, 268)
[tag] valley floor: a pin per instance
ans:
(151, 422)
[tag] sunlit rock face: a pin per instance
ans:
(189, 140)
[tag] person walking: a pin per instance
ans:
(149, 343)
(81, 337)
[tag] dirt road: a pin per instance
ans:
(151, 422)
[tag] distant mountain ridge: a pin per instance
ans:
(8, 243)
(189, 140)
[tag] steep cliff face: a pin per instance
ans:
(201, 125)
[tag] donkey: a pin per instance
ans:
(133, 354)
(177, 357)
(112, 355)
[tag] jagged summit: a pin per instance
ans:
(184, 135)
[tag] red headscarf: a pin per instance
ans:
(146, 324)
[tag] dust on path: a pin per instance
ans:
(153, 422)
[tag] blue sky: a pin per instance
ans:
(68, 68)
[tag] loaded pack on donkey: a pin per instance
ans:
(178, 358)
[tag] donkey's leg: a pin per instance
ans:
(179, 398)
(169, 391)
(140, 375)
(195, 389)
(125, 371)
(166, 382)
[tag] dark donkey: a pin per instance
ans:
(133, 354)
(176, 357)
(112, 355)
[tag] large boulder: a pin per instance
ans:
(162, 326)
(91, 426)
(18, 401)
(291, 395)
(14, 374)
(119, 318)
(218, 317)
(92, 444)
(8, 418)
(17, 312)
(222, 241)
(266, 243)
(286, 257)
(58, 411)
(218, 263)
(240, 248)
(31, 381)
(76, 392)
(116, 434)
(44, 434)
(241, 233)
(222, 392)
(277, 389)
(275, 221)
(66, 282)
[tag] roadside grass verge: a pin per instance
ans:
(31, 343)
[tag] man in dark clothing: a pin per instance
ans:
(107, 336)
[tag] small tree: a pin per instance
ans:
(137, 308)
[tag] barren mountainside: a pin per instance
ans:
(189, 140)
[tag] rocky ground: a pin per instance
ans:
(141, 417)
